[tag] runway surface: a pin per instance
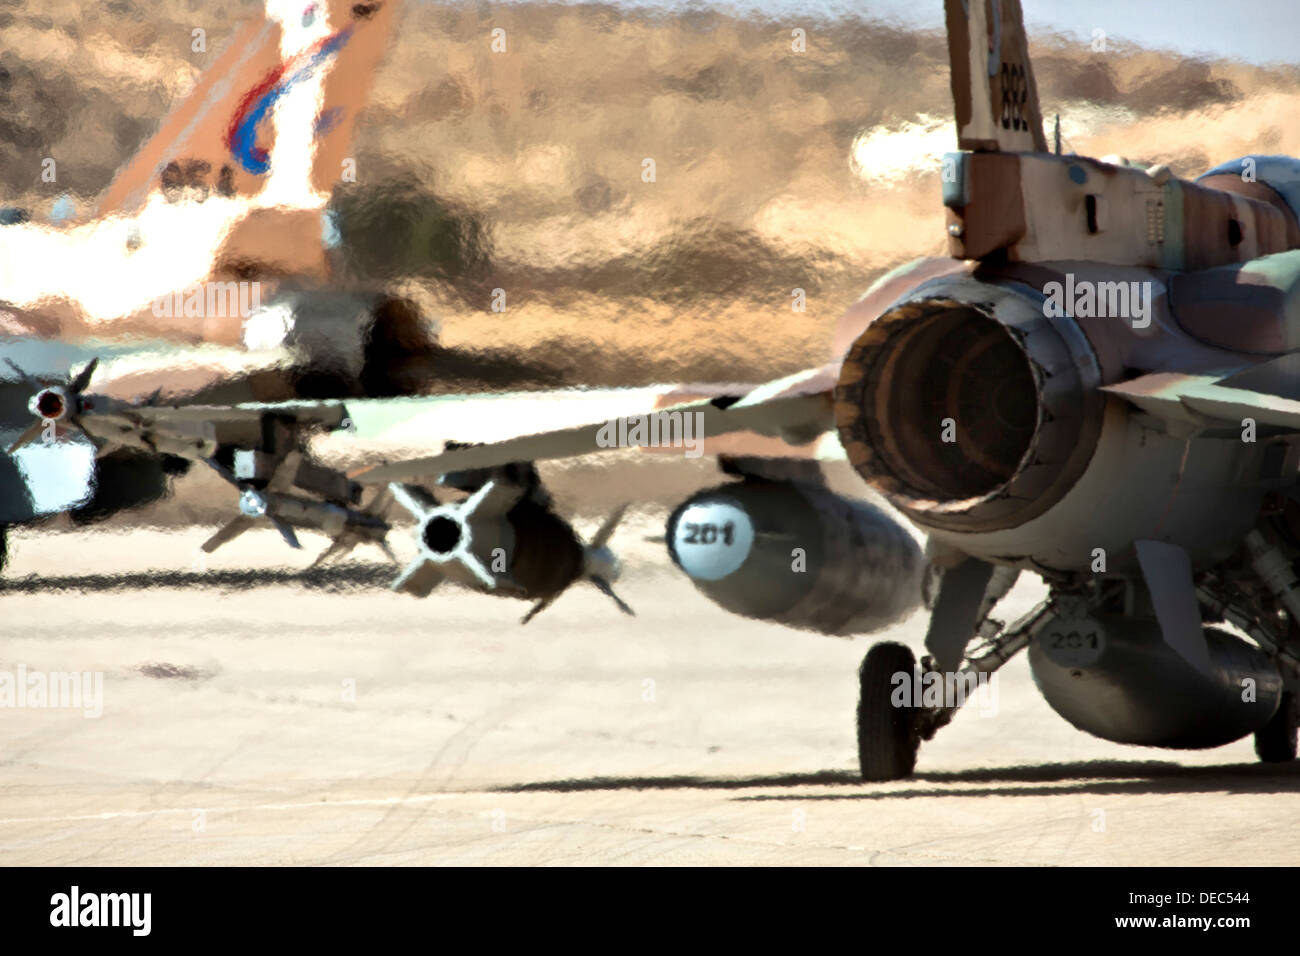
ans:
(263, 717)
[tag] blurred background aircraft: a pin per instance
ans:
(203, 271)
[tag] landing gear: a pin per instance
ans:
(887, 735)
(1275, 742)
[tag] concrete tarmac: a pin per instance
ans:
(264, 716)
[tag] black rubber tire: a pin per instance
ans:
(887, 737)
(1275, 742)
(4, 547)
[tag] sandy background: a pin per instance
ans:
(774, 170)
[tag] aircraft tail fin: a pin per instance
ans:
(188, 153)
(273, 115)
(993, 88)
(347, 86)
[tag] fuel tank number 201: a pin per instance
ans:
(1074, 641)
(709, 533)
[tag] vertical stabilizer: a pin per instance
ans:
(993, 88)
(347, 86)
(273, 117)
(188, 155)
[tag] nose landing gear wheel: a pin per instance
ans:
(1275, 742)
(887, 735)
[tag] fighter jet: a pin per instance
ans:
(219, 230)
(205, 272)
(1096, 385)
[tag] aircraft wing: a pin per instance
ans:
(186, 431)
(324, 413)
(259, 447)
(796, 410)
(195, 431)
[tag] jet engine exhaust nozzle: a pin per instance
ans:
(968, 407)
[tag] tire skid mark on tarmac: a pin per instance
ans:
(521, 823)
(192, 783)
(1016, 832)
(656, 833)
(463, 741)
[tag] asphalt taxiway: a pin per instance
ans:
(266, 716)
